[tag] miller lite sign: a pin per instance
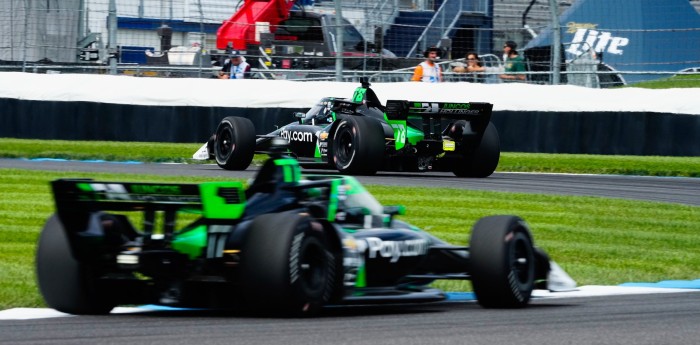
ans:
(587, 38)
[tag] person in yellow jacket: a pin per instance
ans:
(428, 71)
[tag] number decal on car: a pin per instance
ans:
(399, 133)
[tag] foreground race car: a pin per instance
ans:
(360, 136)
(288, 244)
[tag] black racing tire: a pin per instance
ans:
(502, 262)
(482, 162)
(66, 284)
(357, 145)
(234, 146)
(287, 267)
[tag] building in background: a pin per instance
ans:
(72, 30)
(39, 30)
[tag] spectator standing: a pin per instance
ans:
(513, 63)
(473, 67)
(235, 68)
(428, 71)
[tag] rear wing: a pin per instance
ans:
(160, 208)
(214, 200)
(432, 117)
(402, 110)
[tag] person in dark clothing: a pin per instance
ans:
(513, 63)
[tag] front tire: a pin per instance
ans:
(286, 265)
(357, 146)
(502, 262)
(66, 284)
(234, 146)
(484, 160)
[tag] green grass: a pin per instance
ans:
(600, 164)
(92, 150)
(524, 162)
(596, 240)
(678, 81)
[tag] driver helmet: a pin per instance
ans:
(322, 110)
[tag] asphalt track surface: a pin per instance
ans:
(664, 189)
(670, 318)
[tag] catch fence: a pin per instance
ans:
(602, 43)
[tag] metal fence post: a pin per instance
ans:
(24, 40)
(339, 34)
(556, 42)
(202, 34)
(112, 45)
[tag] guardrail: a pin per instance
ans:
(591, 74)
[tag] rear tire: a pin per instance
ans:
(357, 146)
(286, 265)
(66, 284)
(502, 262)
(484, 160)
(234, 146)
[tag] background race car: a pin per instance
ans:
(288, 244)
(362, 136)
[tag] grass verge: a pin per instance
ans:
(677, 81)
(510, 161)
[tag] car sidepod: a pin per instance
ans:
(303, 139)
(388, 255)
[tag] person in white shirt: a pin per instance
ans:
(428, 71)
(235, 68)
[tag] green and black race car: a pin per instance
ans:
(362, 136)
(287, 244)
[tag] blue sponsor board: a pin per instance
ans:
(631, 35)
